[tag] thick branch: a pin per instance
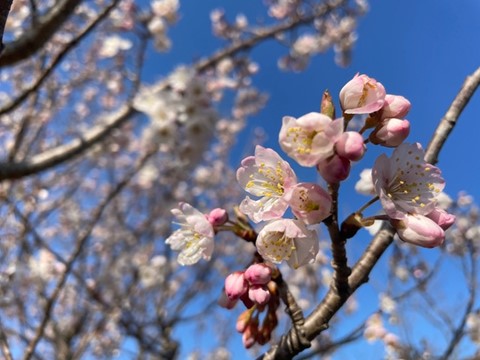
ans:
(318, 320)
(62, 153)
(4, 11)
(35, 38)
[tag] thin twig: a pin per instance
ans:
(5, 6)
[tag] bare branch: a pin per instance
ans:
(34, 39)
(58, 58)
(4, 11)
(62, 153)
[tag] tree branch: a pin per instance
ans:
(34, 39)
(4, 11)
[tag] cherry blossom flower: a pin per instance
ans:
(289, 240)
(310, 203)
(194, 239)
(362, 95)
(406, 183)
(270, 177)
(112, 45)
(310, 138)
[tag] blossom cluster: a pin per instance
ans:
(407, 187)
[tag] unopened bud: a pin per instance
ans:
(326, 106)
(258, 274)
(335, 169)
(235, 285)
(217, 217)
(390, 133)
(350, 146)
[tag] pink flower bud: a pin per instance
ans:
(258, 274)
(395, 107)
(217, 217)
(390, 132)
(235, 285)
(225, 302)
(362, 95)
(350, 146)
(442, 218)
(334, 169)
(259, 294)
(419, 230)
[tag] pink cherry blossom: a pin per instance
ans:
(390, 132)
(395, 106)
(406, 183)
(362, 95)
(289, 240)
(268, 176)
(310, 203)
(310, 138)
(194, 239)
(350, 146)
(419, 230)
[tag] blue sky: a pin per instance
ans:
(422, 50)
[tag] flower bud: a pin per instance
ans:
(335, 169)
(235, 285)
(350, 146)
(258, 274)
(225, 302)
(326, 106)
(259, 294)
(217, 217)
(442, 218)
(243, 320)
(390, 133)
(362, 95)
(395, 107)
(419, 230)
(250, 333)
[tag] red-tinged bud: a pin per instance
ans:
(419, 230)
(217, 217)
(259, 294)
(225, 302)
(258, 274)
(235, 285)
(335, 169)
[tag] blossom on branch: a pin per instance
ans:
(406, 183)
(269, 177)
(289, 240)
(310, 138)
(194, 239)
(362, 95)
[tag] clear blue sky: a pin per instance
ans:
(422, 50)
